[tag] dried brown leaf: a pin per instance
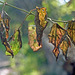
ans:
(7, 46)
(71, 31)
(40, 22)
(64, 46)
(32, 38)
(55, 37)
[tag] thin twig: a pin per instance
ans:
(3, 6)
(24, 20)
(53, 21)
(50, 20)
(16, 7)
(60, 21)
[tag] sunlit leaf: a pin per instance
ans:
(7, 46)
(32, 38)
(55, 37)
(1, 26)
(6, 20)
(15, 42)
(40, 22)
(71, 31)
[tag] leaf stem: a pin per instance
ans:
(24, 20)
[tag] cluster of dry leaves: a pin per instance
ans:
(58, 36)
(4, 34)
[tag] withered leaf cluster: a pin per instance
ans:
(60, 38)
(4, 35)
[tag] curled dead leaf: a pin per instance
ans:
(71, 31)
(40, 22)
(55, 37)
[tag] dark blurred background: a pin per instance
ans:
(42, 62)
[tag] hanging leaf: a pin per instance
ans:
(64, 46)
(6, 20)
(55, 37)
(1, 29)
(7, 28)
(40, 22)
(71, 31)
(7, 46)
(32, 38)
(15, 42)
(1, 26)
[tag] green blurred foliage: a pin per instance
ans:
(55, 10)
(30, 20)
(28, 62)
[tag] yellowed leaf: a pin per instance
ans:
(32, 38)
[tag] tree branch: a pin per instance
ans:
(53, 21)
(17, 8)
(24, 20)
